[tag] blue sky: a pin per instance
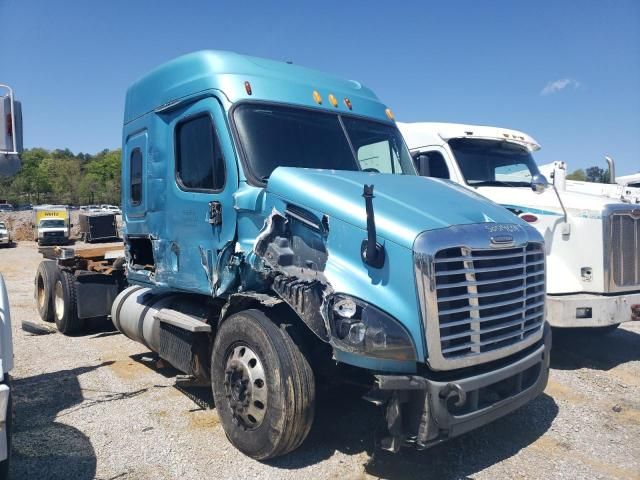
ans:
(566, 72)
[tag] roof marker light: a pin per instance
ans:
(347, 102)
(333, 100)
(317, 97)
(389, 113)
(247, 87)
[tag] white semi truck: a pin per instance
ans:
(10, 149)
(592, 242)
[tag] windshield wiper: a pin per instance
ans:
(498, 183)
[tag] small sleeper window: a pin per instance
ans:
(136, 176)
(199, 161)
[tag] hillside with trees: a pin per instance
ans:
(60, 176)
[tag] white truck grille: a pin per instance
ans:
(625, 249)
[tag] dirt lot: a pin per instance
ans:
(100, 406)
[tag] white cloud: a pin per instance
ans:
(558, 85)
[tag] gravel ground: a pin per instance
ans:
(100, 406)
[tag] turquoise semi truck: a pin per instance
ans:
(276, 235)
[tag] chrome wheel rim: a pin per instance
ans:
(59, 301)
(245, 387)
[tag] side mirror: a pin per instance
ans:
(539, 183)
(10, 132)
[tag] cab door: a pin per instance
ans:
(200, 218)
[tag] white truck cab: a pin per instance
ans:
(632, 180)
(591, 241)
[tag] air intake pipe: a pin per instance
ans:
(612, 169)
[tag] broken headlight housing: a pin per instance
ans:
(358, 327)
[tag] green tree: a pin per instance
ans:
(577, 175)
(597, 174)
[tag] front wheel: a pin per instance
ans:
(263, 386)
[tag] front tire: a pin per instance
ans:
(45, 280)
(65, 304)
(263, 386)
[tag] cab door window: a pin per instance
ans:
(136, 176)
(199, 160)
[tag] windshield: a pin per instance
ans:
(2, 226)
(52, 223)
(281, 136)
(493, 162)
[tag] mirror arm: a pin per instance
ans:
(564, 210)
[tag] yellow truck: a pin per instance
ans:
(51, 224)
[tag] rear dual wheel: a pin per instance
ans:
(263, 386)
(65, 304)
(46, 277)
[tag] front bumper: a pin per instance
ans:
(425, 412)
(53, 240)
(5, 240)
(598, 310)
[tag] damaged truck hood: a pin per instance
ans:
(404, 205)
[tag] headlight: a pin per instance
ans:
(359, 327)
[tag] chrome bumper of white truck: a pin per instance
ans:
(590, 310)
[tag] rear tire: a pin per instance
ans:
(65, 306)
(263, 386)
(45, 280)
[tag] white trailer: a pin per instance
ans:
(557, 172)
(591, 241)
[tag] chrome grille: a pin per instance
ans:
(481, 289)
(625, 249)
(488, 299)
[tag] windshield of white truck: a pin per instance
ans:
(493, 162)
(52, 224)
(281, 136)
